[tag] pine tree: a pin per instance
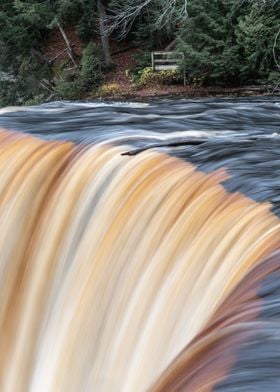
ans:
(229, 42)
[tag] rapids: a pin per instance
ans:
(254, 166)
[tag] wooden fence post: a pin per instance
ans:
(153, 62)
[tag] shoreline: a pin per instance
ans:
(189, 92)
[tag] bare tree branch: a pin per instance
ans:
(123, 15)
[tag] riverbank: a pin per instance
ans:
(118, 84)
(115, 91)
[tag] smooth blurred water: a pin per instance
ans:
(226, 124)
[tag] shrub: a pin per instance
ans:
(148, 77)
(30, 83)
(69, 89)
(74, 84)
(91, 73)
(109, 89)
(142, 60)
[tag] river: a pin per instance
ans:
(225, 123)
(240, 135)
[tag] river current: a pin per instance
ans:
(228, 127)
(240, 135)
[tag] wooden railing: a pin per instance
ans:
(167, 61)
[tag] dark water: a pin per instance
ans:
(226, 125)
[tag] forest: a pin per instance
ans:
(226, 43)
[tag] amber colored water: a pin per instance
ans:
(128, 273)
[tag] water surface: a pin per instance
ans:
(228, 125)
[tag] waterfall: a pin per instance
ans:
(123, 274)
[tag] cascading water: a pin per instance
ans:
(133, 273)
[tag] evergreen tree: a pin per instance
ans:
(255, 36)
(229, 42)
(226, 42)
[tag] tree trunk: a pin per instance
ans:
(69, 47)
(103, 34)
(173, 44)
